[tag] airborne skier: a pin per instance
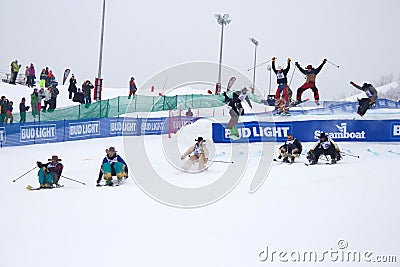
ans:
(236, 108)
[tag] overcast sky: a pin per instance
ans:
(145, 37)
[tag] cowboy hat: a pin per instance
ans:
(111, 150)
(54, 158)
(199, 139)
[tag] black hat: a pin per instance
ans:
(199, 139)
(322, 135)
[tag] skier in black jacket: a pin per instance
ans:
(291, 148)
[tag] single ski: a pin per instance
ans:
(31, 188)
(293, 104)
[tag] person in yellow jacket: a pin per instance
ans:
(198, 151)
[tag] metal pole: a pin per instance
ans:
(220, 57)
(101, 52)
(269, 69)
(254, 72)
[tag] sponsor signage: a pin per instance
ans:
(124, 127)
(38, 132)
(395, 130)
(83, 129)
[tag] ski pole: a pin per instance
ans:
(259, 65)
(221, 161)
(24, 174)
(72, 180)
(343, 153)
(333, 63)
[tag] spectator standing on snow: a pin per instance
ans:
(132, 87)
(4, 104)
(72, 87)
(26, 76)
(34, 102)
(50, 79)
(22, 110)
(54, 94)
(189, 113)
(311, 75)
(79, 97)
(47, 98)
(31, 76)
(14, 71)
(43, 76)
(40, 98)
(9, 113)
(87, 87)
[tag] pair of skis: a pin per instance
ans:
(31, 188)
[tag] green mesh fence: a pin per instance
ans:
(121, 105)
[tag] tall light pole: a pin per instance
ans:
(255, 42)
(222, 20)
(99, 80)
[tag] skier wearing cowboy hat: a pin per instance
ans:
(112, 165)
(49, 174)
(200, 153)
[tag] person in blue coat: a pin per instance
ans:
(112, 165)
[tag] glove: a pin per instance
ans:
(288, 60)
(273, 58)
(297, 64)
(205, 160)
(352, 83)
(39, 164)
(325, 60)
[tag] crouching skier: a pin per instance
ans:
(200, 153)
(112, 165)
(324, 146)
(49, 173)
(290, 149)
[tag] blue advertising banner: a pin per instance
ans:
(308, 131)
(60, 131)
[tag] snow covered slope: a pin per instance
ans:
(297, 208)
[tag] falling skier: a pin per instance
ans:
(112, 165)
(236, 108)
(367, 102)
(325, 146)
(200, 153)
(49, 173)
(290, 149)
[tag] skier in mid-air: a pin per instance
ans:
(366, 103)
(311, 75)
(283, 92)
(236, 108)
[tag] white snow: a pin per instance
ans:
(297, 208)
